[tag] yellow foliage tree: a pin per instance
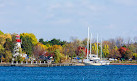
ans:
(135, 55)
(32, 36)
(42, 46)
(106, 50)
(54, 47)
(7, 35)
(3, 38)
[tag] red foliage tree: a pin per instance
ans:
(125, 52)
(80, 49)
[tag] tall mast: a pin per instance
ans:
(101, 50)
(88, 43)
(97, 45)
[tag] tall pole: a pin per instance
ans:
(88, 43)
(101, 50)
(97, 45)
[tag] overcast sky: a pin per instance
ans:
(64, 19)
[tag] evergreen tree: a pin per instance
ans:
(27, 45)
(42, 41)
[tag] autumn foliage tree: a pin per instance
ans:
(125, 53)
(114, 53)
(39, 50)
(68, 49)
(106, 50)
(29, 40)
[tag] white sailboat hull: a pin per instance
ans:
(91, 63)
(94, 64)
(100, 63)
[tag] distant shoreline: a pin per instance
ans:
(123, 64)
(38, 65)
(54, 65)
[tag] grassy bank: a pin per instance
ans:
(126, 61)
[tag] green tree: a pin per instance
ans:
(31, 36)
(8, 45)
(52, 42)
(57, 56)
(1, 52)
(8, 50)
(13, 41)
(62, 43)
(55, 42)
(29, 40)
(27, 45)
(128, 54)
(8, 56)
(1, 33)
(42, 41)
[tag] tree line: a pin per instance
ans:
(63, 51)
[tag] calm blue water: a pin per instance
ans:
(70, 73)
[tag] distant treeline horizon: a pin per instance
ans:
(64, 50)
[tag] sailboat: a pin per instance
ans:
(103, 62)
(93, 59)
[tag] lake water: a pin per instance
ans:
(70, 73)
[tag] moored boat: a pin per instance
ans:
(92, 59)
